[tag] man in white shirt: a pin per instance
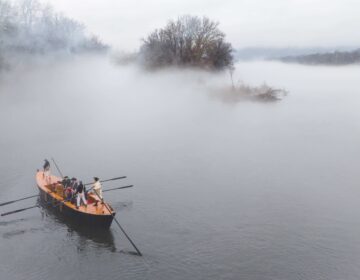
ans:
(98, 190)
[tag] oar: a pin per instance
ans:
(107, 180)
(57, 167)
(118, 188)
(12, 201)
(117, 222)
(19, 210)
(34, 206)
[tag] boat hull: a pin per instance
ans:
(96, 217)
(76, 217)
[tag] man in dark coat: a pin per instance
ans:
(80, 195)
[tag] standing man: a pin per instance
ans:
(46, 174)
(98, 190)
(74, 183)
(80, 195)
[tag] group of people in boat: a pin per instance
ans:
(74, 190)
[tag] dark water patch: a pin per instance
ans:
(123, 205)
(11, 222)
(126, 252)
(14, 233)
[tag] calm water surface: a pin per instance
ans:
(222, 190)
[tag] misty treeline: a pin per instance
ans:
(27, 26)
(187, 41)
(331, 58)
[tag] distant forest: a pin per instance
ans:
(27, 26)
(333, 58)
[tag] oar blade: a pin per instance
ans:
(121, 228)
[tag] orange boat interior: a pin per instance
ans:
(54, 189)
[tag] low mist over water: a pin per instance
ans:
(223, 190)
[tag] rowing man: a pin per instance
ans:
(98, 190)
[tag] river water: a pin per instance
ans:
(223, 190)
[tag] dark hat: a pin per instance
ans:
(73, 179)
(96, 178)
(66, 177)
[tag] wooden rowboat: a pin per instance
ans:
(51, 194)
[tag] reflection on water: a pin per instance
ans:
(6, 223)
(102, 238)
(14, 233)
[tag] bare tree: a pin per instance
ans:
(6, 16)
(29, 11)
(188, 41)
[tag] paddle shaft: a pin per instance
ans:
(107, 180)
(118, 188)
(55, 205)
(19, 210)
(13, 201)
(57, 167)
(34, 206)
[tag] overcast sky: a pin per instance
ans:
(264, 23)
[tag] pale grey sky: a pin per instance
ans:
(269, 23)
